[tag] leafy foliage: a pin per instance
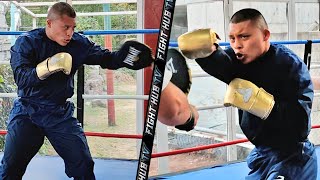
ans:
(6, 86)
(123, 22)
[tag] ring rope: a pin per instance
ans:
(154, 31)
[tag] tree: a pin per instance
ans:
(6, 86)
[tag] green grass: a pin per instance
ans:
(96, 120)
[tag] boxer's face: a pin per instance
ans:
(61, 29)
(248, 41)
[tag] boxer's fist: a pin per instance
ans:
(199, 43)
(59, 62)
(247, 96)
(135, 55)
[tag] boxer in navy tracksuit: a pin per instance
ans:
(281, 141)
(272, 87)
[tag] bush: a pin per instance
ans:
(6, 86)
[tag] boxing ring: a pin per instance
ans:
(126, 170)
(52, 167)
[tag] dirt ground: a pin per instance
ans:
(183, 162)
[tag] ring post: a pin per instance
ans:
(155, 90)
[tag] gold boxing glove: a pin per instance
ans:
(247, 96)
(199, 43)
(59, 62)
